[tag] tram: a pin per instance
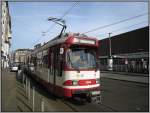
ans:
(68, 66)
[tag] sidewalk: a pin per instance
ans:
(15, 96)
(8, 91)
(126, 73)
(126, 76)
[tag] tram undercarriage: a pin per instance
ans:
(89, 96)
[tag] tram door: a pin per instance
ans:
(54, 73)
(55, 61)
(55, 68)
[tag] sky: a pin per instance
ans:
(29, 19)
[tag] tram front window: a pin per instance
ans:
(81, 58)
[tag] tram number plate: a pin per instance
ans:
(95, 92)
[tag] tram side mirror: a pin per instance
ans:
(61, 51)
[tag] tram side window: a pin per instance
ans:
(56, 62)
(51, 65)
(39, 62)
(34, 61)
(59, 64)
(45, 61)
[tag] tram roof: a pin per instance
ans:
(52, 42)
(58, 40)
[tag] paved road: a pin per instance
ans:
(127, 77)
(8, 91)
(15, 97)
(51, 103)
(122, 96)
(117, 95)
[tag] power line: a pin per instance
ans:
(65, 13)
(123, 28)
(36, 40)
(76, 3)
(102, 27)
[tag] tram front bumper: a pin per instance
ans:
(82, 92)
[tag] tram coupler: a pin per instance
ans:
(94, 97)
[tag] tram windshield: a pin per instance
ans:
(81, 58)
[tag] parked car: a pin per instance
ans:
(14, 66)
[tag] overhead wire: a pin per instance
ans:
(121, 21)
(65, 13)
(101, 27)
(121, 28)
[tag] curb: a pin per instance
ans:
(129, 74)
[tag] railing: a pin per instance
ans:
(126, 68)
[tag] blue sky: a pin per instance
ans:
(29, 19)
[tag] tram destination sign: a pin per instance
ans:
(84, 41)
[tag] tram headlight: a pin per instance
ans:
(74, 82)
(71, 83)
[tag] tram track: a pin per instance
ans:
(87, 107)
(74, 105)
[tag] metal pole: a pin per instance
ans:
(23, 79)
(33, 99)
(110, 44)
(42, 104)
(29, 89)
(26, 85)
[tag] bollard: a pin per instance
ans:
(42, 105)
(33, 98)
(24, 80)
(22, 77)
(29, 89)
(26, 86)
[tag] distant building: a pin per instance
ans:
(12, 56)
(20, 55)
(130, 51)
(6, 34)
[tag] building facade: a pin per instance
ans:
(6, 34)
(130, 51)
(12, 56)
(20, 55)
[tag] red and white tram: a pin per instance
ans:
(68, 66)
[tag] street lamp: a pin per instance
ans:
(110, 59)
(110, 45)
(60, 22)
